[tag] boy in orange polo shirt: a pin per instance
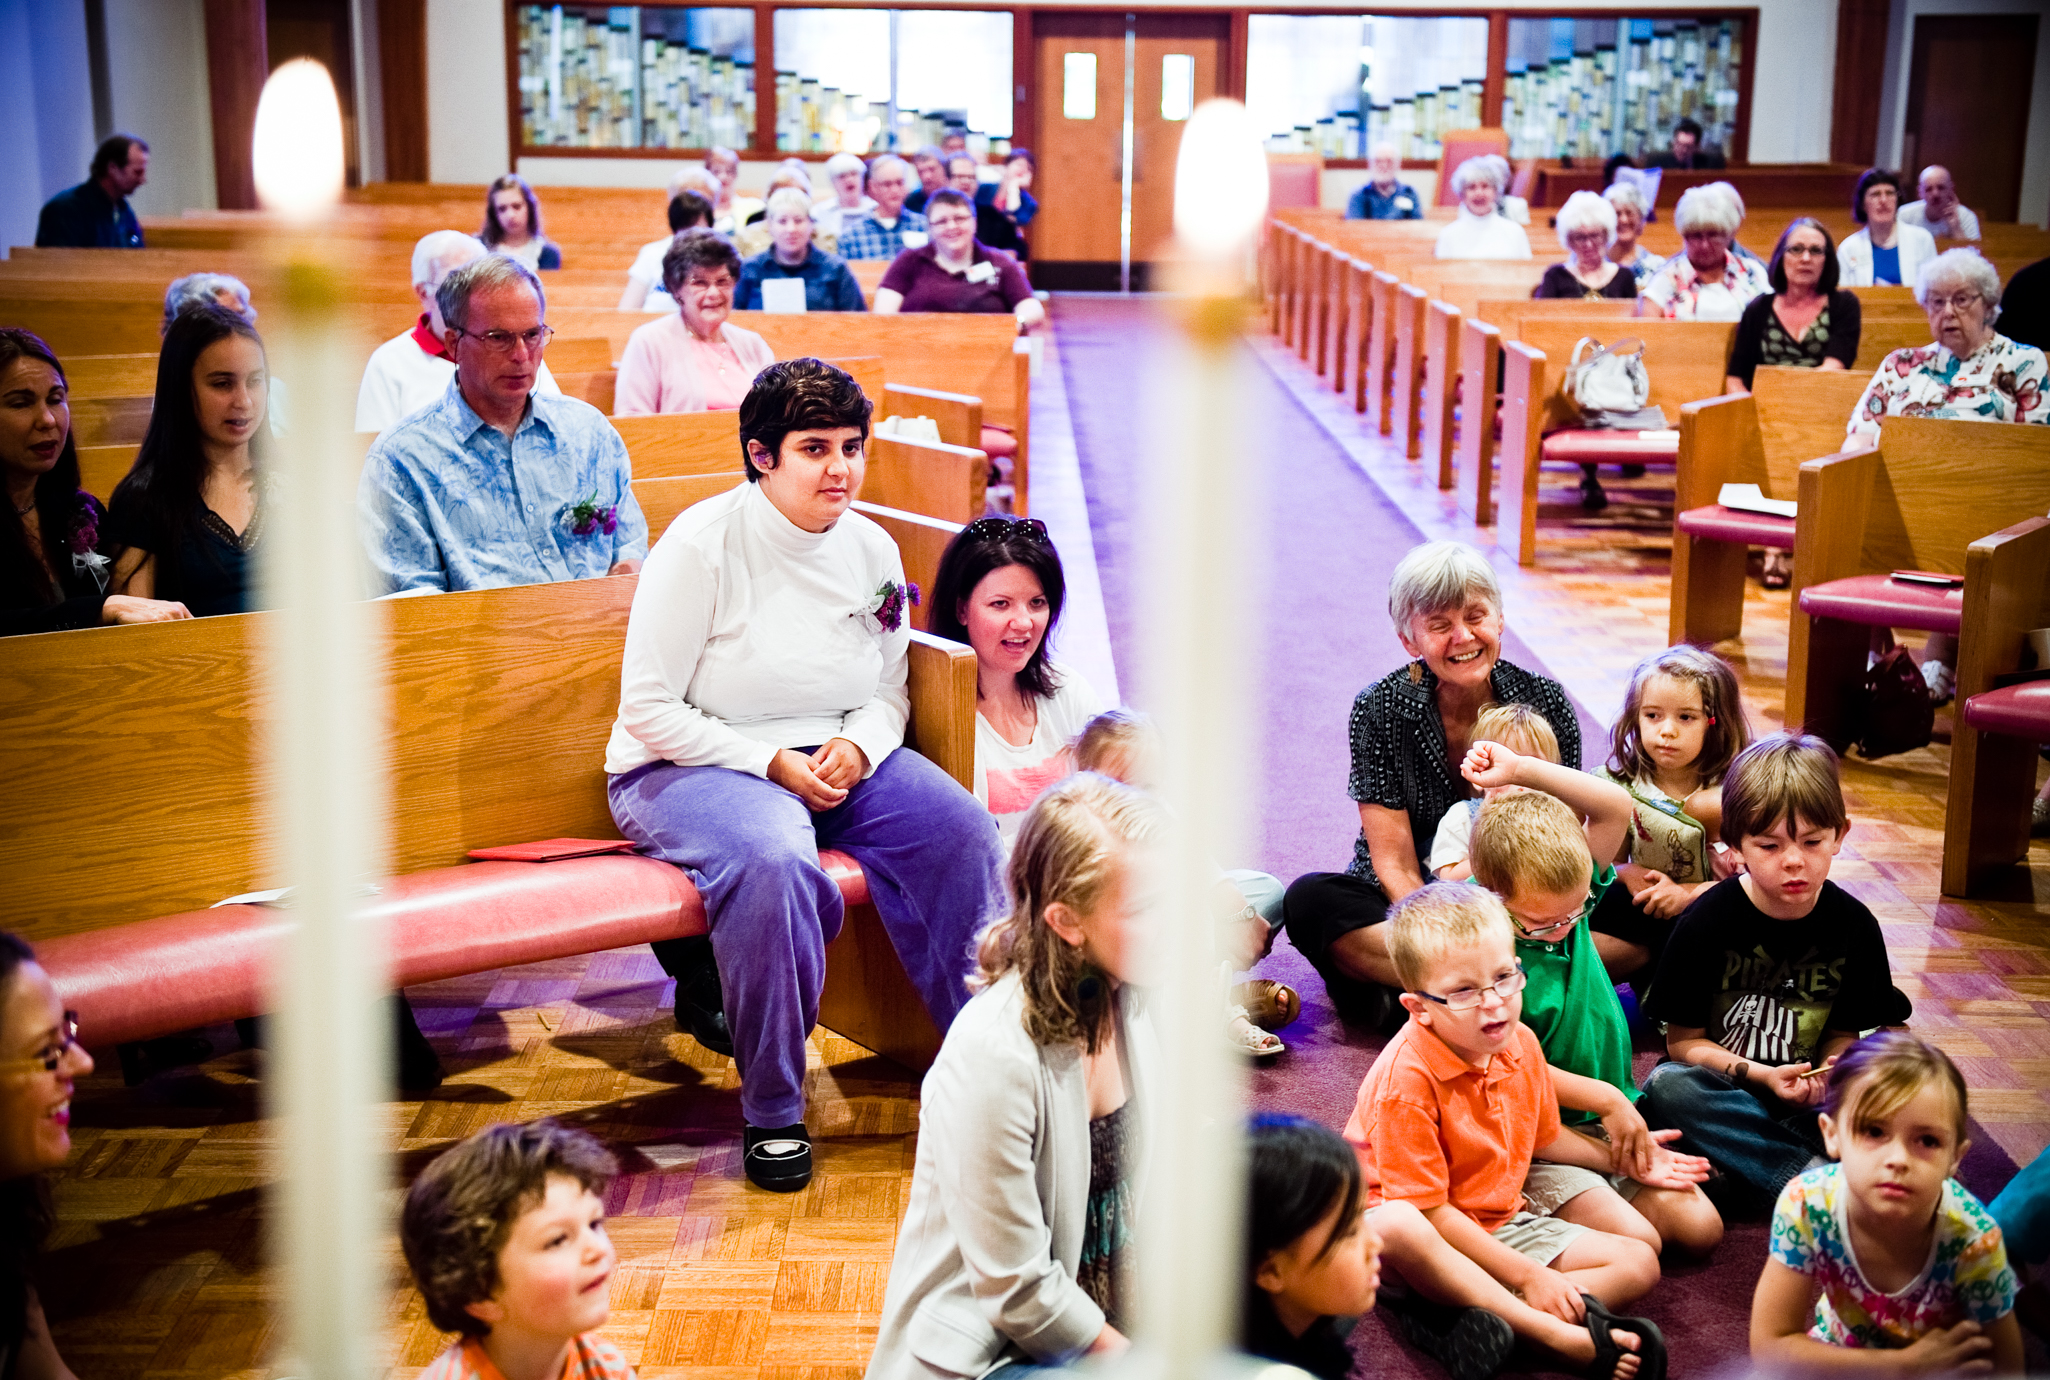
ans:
(1449, 1119)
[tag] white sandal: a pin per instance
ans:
(1246, 1038)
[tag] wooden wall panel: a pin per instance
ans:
(402, 61)
(237, 63)
(1860, 62)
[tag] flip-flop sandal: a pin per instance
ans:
(1651, 1343)
(1246, 1038)
(1269, 1004)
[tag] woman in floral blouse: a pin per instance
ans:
(1971, 372)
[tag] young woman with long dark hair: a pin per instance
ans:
(187, 519)
(52, 573)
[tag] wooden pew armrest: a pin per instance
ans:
(959, 415)
(2007, 593)
(942, 676)
(1719, 444)
(1836, 500)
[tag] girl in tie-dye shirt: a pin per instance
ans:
(1907, 1259)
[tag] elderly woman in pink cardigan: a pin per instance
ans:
(694, 361)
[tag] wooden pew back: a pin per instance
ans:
(166, 720)
(1685, 359)
(1802, 416)
(1942, 485)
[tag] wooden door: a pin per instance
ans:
(1968, 107)
(1076, 239)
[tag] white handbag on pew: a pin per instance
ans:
(1607, 378)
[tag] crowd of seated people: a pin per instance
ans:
(1501, 1158)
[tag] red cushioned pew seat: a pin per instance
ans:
(1738, 526)
(1881, 601)
(1586, 446)
(2015, 711)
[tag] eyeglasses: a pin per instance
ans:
(1530, 931)
(997, 528)
(1805, 251)
(1960, 304)
(1467, 998)
(47, 1060)
(535, 340)
(948, 222)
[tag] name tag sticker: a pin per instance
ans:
(916, 239)
(1405, 203)
(984, 272)
(784, 296)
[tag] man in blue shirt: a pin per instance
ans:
(497, 484)
(1383, 197)
(829, 285)
(95, 214)
(889, 228)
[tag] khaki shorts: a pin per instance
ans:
(1543, 1239)
(1549, 1187)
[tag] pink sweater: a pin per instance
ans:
(667, 369)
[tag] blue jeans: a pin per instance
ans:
(1743, 1130)
(930, 854)
(2023, 1212)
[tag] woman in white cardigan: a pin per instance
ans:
(1014, 1247)
(1888, 249)
(1482, 231)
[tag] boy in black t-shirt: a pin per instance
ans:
(1768, 974)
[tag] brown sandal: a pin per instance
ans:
(1269, 1004)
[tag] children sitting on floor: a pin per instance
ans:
(505, 1235)
(1531, 849)
(1682, 725)
(1451, 1118)
(1907, 1260)
(1768, 976)
(1517, 727)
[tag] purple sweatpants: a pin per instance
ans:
(935, 875)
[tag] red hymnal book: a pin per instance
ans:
(551, 850)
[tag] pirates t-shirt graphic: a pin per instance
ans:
(1766, 989)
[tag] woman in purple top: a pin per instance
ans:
(957, 272)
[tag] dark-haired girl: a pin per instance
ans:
(40, 1058)
(1313, 1251)
(512, 224)
(1000, 590)
(53, 574)
(762, 709)
(186, 521)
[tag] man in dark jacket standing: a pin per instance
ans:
(95, 214)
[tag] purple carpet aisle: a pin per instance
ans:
(1334, 538)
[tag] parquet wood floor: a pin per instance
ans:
(157, 1267)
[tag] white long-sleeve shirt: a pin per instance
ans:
(749, 634)
(402, 378)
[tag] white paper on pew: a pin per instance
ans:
(1666, 434)
(783, 296)
(277, 897)
(1749, 498)
(1030, 345)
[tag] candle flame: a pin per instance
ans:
(297, 149)
(1220, 180)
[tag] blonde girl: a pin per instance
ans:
(1682, 725)
(1907, 1260)
(1020, 1224)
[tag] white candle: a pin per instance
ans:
(329, 1059)
(1199, 646)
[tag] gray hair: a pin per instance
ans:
(482, 275)
(1711, 207)
(883, 164)
(1485, 167)
(697, 247)
(788, 199)
(1622, 194)
(694, 180)
(932, 151)
(1437, 576)
(203, 290)
(843, 162)
(1966, 266)
(1586, 211)
(1386, 146)
(435, 247)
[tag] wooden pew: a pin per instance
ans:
(97, 422)
(1762, 437)
(1356, 286)
(1480, 365)
(680, 443)
(1406, 370)
(101, 468)
(662, 499)
(1685, 359)
(1993, 776)
(937, 480)
(1442, 331)
(1916, 502)
(1379, 373)
(111, 376)
(958, 415)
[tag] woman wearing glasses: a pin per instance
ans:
(694, 359)
(1000, 590)
(956, 271)
(40, 1058)
(762, 709)
(1887, 249)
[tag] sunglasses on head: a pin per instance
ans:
(988, 528)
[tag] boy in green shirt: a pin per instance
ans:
(1532, 849)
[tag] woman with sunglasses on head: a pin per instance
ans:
(1000, 590)
(40, 1057)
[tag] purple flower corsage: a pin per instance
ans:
(885, 611)
(587, 518)
(84, 541)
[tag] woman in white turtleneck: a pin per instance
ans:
(1482, 232)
